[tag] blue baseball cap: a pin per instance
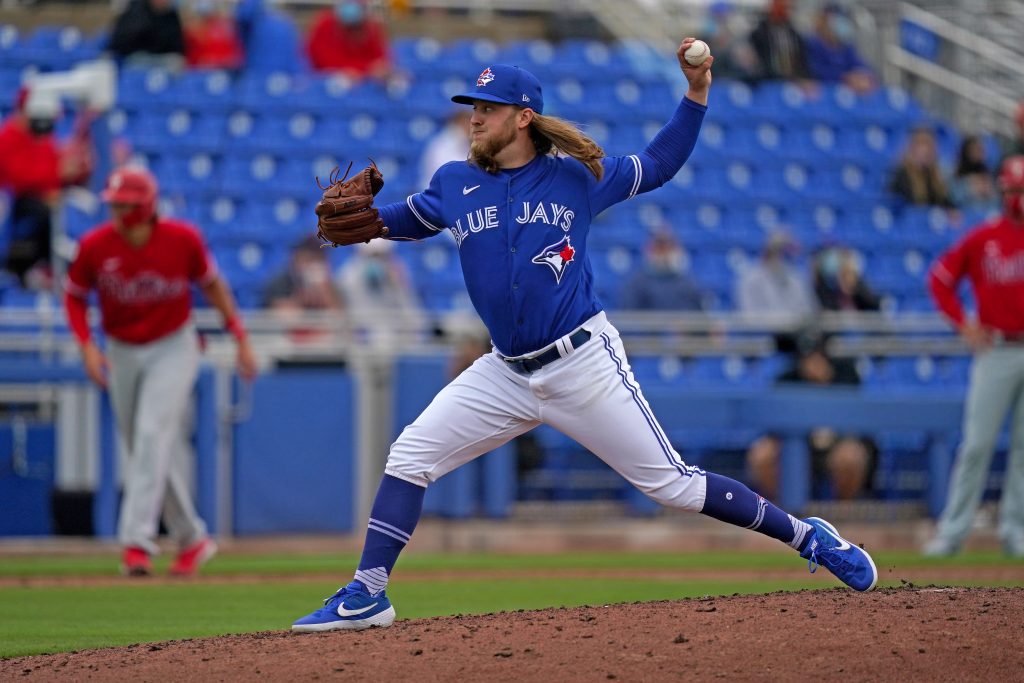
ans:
(506, 84)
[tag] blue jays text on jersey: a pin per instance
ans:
(522, 233)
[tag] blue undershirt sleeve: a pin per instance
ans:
(671, 147)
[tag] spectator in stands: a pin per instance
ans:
(270, 39)
(347, 39)
(662, 283)
(149, 32)
(305, 284)
(917, 179)
(832, 56)
(726, 33)
(451, 143)
(838, 282)
(378, 294)
(973, 186)
(779, 46)
(211, 38)
(1016, 146)
(842, 466)
(34, 167)
(774, 286)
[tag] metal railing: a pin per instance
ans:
(975, 80)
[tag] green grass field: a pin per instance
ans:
(247, 593)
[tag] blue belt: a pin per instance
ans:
(525, 366)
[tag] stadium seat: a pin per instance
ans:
(195, 175)
(203, 91)
(781, 102)
(536, 56)
(144, 90)
(277, 91)
(54, 48)
(274, 43)
(467, 57)
(420, 56)
(589, 59)
(284, 133)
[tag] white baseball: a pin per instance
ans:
(697, 53)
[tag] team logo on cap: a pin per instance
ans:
(558, 256)
(486, 77)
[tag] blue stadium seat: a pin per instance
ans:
(195, 174)
(10, 81)
(144, 89)
(870, 144)
(277, 91)
(258, 173)
(419, 56)
(54, 48)
(220, 217)
(204, 91)
(568, 99)
(536, 56)
(888, 106)
(285, 133)
(174, 129)
(589, 59)
(274, 43)
(9, 44)
(468, 57)
(732, 102)
(781, 102)
(239, 128)
(433, 96)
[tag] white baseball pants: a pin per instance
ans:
(589, 394)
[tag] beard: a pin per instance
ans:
(483, 152)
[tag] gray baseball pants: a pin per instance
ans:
(151, 389)
(996, 388)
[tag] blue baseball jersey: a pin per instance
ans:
(522, 233)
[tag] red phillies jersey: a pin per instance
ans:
(29, 165)
(144, 292)
(332, 45)
(992, 257)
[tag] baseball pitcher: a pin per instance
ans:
(520, 211)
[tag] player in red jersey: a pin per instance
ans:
(142, 267)
(992, 257)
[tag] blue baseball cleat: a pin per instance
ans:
(350, 608)
(847, 561)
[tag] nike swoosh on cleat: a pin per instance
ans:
(843, 545)
(467, 190)
(342, 612)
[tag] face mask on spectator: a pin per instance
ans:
(203, 8)
(842, 28)
(40, 127)
(349, 13)
(830, 265)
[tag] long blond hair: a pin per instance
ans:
(552, 133)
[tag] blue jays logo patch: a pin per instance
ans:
(558, 256)
(484, 78)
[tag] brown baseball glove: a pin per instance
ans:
(345, 213)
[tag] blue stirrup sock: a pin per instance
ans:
(730, 501)
(396, 510)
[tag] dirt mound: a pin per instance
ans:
(891, 634)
